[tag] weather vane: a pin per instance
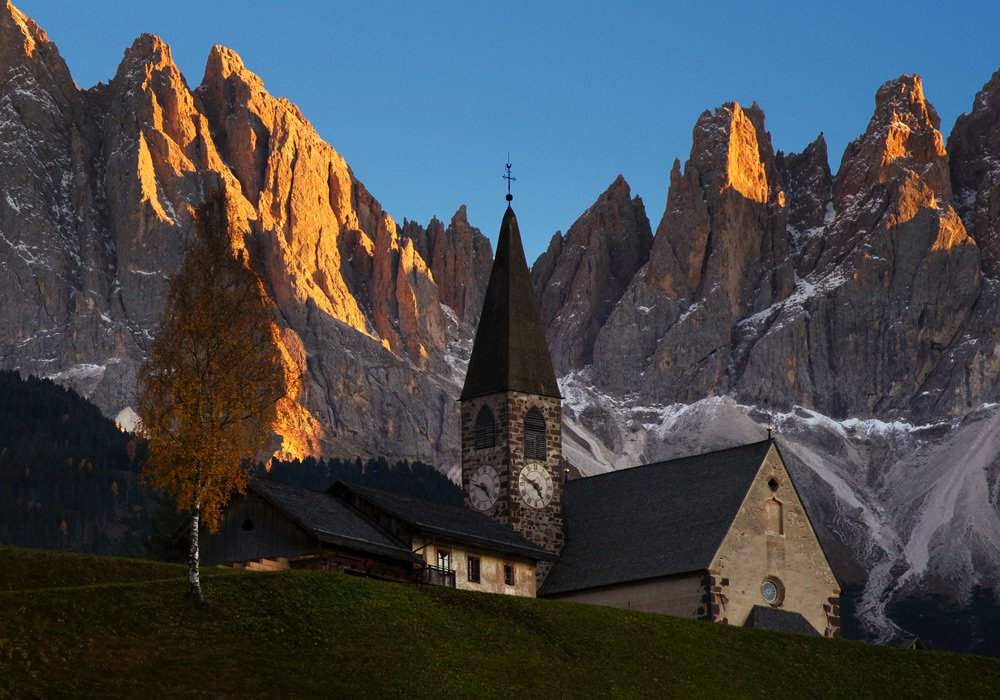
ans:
(509, 178)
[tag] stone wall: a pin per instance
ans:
(793, 559)
(543, 526)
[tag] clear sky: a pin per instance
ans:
(425, 99)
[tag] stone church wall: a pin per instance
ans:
(784, 550)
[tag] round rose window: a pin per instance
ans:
(771, 591)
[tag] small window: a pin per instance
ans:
(485, 429)
(534, 435)
(508, 574)
(772, 591)
(247, 525)
(473, 569)
(444, 560)
(773, 484)
(774, 517)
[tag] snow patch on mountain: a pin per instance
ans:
(916, 504)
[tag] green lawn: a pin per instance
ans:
(125, 628)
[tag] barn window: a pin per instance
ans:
(485, 429)
(774, 517)
(247, 525)
(534, 435)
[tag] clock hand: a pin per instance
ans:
(482, 487)
(535, 484)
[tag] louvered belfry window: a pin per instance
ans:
(485, 429)
(534, 435)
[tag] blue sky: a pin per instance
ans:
(424, 100)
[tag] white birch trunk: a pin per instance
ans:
(194, 558)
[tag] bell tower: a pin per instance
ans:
(511, 407)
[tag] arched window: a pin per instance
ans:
(485, 429)
(774, 517)
(534, 435)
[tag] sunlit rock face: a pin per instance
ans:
(774, 282)
(894, 281)
(720, 253)
(98, 187)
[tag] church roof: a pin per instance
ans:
(330, 520)
(651, 521)
(451, 522)
(510, 352)
(764, 618)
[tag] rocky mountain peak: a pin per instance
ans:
(902, 139)
(898, 169)
(583, 274)
(30, 60)
(149, 49)
(902, 100)
(809, 185)
(731, 144)
(20, 33)
(222, 61)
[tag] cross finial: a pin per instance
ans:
(509, 178)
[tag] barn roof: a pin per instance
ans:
(332, 521)
(651, 521)
(450, 522)
(764, 618)
(510, 352)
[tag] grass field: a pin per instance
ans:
(79, 626)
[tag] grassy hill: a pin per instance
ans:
(75, 625)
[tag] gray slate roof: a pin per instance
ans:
(651, 521)
(332, 520)
(452, 522)
(764, 618)
(510, 352)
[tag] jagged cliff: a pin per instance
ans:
(98, 186)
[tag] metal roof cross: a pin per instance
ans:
(509, 178)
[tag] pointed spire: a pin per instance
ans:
(510, 352)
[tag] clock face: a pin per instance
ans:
(535, 485)
(484, 487)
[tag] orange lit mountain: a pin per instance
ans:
(858, 312)
(97, 190)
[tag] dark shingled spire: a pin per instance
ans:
(510, 353)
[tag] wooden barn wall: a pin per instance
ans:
(273, 535)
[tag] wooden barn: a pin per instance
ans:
(370, 532)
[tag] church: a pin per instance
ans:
(721, 536)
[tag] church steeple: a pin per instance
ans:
(510, 352)
(511, 408)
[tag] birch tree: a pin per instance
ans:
(209, 388)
